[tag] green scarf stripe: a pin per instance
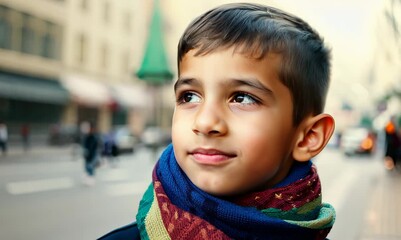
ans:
(326, 218)
(145, 204)
(297, 216)
(307, 211)
(310, 206)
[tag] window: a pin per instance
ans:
(127, 22)
(27, 35)
(48, 45)
(125, 62)
(84, 5)
(82, 48)
(104, 57)
(106, 11)
(5, 29)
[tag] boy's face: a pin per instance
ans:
(232, 126)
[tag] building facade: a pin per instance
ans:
(30, 63)
(386, 71)
(63, 62)
(102, 41)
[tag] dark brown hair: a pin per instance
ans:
(256, 30)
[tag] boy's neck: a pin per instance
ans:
(297, 171)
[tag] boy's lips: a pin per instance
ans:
(210, 156)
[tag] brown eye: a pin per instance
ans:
(239, 98)
(188, 97)
(244, 98)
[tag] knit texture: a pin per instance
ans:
(174, 208)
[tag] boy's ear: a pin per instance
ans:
(313, 136)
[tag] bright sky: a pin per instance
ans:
(349, 28)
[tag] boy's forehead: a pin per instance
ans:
(253, 49)
(230, 64)
(234, 50)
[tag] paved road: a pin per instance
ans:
(42, 196)
(347, 183)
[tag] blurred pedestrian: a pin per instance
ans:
(3, 137)
(25, 135)
(81, 130)
(91, 144)
(247, 121)
(109, 149)
(392, 143)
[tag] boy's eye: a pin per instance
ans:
(243, 98)
(188, 97)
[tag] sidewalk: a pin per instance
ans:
(383, 217)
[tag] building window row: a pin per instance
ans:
(106, 13)
(105, 55)
(28, 34)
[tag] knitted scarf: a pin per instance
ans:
(173, 208)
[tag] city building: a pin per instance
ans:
(63, 62)
(31, 37)
(386, 71)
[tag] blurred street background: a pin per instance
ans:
(67, 63)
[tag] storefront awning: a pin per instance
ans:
(87, 91)
(130, 96)
(27, 88)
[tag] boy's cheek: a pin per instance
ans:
(180, 123)
(179, 133)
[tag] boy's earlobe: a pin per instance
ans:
(313, 137)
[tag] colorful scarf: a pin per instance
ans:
(174, 208)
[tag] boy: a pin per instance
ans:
(248, 119)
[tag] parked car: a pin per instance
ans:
(358, 140)
(120, 140)
(156, 137)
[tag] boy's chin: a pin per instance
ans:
(212, 190)
(221, 191)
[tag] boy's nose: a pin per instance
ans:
(210, 121)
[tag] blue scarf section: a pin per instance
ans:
(238, 222)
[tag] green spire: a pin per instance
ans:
(155, 68)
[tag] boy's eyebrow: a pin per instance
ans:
(184, 81)
(234, 82)
(252, 83)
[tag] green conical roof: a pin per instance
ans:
(155, 68)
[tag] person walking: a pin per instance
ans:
(25, 132)
(3, 137)
(392, 144)
(91, 145)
